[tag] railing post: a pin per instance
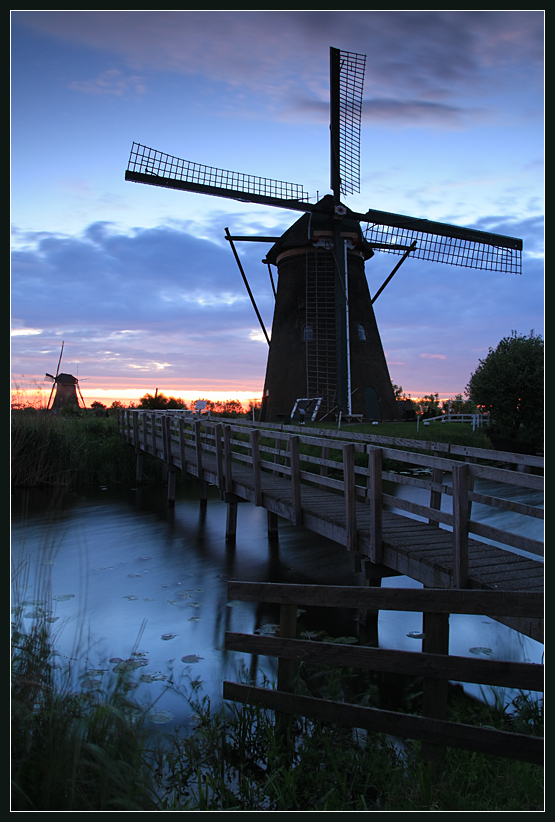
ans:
(374, 498)
(277, 457)
(435, 496)
(219, 457)
(165, 439)
(182, 443)
(350, 496)
(227, 459)
(255, 456)
(153, 432)
(287, 628)
(200, 472)
(460, 526)
(295, 480)
(324, 454)
(435, 628)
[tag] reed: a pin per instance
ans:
(55, 450)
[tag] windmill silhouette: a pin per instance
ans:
(325, 350)
(67, 389)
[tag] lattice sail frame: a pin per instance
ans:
(468, 253)
(144, 160)
(351, 82)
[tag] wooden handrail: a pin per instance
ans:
(435, 667)
(264, 441)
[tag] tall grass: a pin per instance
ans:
(55, 450)
(87, 747)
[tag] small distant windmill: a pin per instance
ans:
(67, 389)
(325, 343)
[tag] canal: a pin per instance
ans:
(124, 577)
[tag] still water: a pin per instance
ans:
(122, 573)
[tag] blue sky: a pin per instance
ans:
(140, 283)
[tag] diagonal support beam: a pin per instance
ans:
(262, 326)
(395, 270)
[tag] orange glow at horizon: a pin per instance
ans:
(107, 396)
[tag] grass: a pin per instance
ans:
(54, 450)
(89, 747)
(453, 432)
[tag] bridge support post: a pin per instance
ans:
(172, 479)
(272, 525)
(231, 522)
(139, 468)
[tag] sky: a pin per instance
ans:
(140, 284)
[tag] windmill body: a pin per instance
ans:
(65, 390)
(325, 345)
(67, 387)
(304, 358)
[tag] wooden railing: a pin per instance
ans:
(354, 465)
(434, 663)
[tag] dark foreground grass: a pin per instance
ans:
(89, 747)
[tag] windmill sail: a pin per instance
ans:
(443, 243)
(146, 165)
(346, 84)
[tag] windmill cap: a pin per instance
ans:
(318, 225)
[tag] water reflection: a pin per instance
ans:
(125, 573)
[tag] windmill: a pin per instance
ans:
(67, 389)
(325, 346)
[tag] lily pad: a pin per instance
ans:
(269, 628)
(127, 665)
(160, 717)
(168, 636)
(190, 658)
(63, 597)
(481, 651)
(194, 619)
(152, 677)
(131, 596)
(90, 683)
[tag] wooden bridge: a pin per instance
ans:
(331, 482)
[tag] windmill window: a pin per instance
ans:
(361, 332)
(307, 334)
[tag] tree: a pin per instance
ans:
(509, 384)
(159, 401)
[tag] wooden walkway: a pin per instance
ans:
(274, 467)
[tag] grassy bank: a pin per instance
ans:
(55, 450)
(454, 432)
(93, 746)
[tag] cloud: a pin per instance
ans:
(434, 356)
(111, 81)
(415, 113)
(159, 299)
(420, 55)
